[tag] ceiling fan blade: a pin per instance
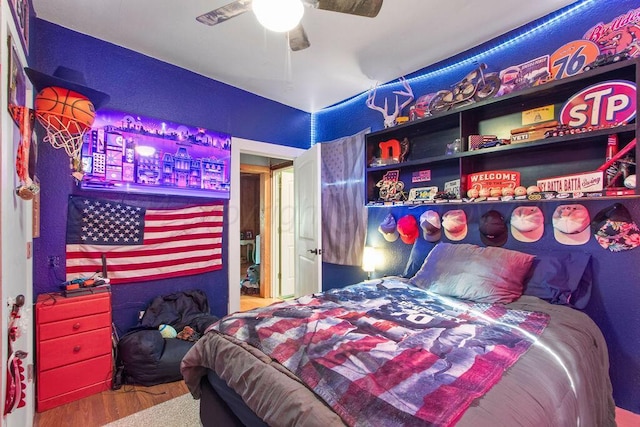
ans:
(367, 8)
(225, 12)
(298, 39)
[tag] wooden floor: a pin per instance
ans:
(249, 302)
(108, 406)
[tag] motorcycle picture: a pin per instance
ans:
(476, 86)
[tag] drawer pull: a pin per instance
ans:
(76, 326)
(76, 349)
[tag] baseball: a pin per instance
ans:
(473, 193)
(533, 189)
(507, 191)
(630, 181)
(520, 191)
(496, 192)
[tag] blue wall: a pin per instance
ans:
(616, 298)
(512, 48)
(151, 88)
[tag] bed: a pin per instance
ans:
(457, 343)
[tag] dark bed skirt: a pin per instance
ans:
(222, 406)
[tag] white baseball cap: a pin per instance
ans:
(527, 223)
(388, 229)
(431, 226)
(571, 224)
(454, 223)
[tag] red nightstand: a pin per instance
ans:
(73, 347)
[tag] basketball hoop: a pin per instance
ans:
(58, 134)
(65, 107)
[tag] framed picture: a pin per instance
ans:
(131, 153)
(16, 85)
(20, 11)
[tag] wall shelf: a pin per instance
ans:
(539, 159)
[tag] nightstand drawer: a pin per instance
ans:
(65, 328)
(74, 348)
(56, 308)
(74, 377)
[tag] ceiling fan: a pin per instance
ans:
(297, 36)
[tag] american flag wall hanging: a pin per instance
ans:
(142, 244)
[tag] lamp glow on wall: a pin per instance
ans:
(371, 259)
(278, 15)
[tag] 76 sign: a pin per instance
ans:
(571, 58)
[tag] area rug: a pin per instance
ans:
(181, 411)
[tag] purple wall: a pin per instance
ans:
(616, 297)
(145, 86)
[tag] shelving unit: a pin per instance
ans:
(545, 158)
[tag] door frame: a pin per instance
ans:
(256, 148)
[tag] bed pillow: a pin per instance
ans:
(419, 252)
(563, 278)
(470, 272)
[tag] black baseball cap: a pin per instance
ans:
(493, 229)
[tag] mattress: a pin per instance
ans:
(561, 380)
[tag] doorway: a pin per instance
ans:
(251, 212)
(266, 214)
(246, 148)
(255, 225)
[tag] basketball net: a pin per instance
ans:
(59, 136)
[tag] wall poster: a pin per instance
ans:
(16, 84)
(129, 153)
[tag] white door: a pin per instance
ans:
(287, 234)
(308, 225)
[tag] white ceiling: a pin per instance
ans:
(348, 54)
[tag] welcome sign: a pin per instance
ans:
(493, 179)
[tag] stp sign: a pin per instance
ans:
(603, 104)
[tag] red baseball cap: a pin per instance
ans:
(408, 229)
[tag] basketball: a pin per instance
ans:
(64, 109)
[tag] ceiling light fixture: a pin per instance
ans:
(278, 15)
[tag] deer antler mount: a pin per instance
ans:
(390, 118)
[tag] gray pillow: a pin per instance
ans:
(470, 272)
